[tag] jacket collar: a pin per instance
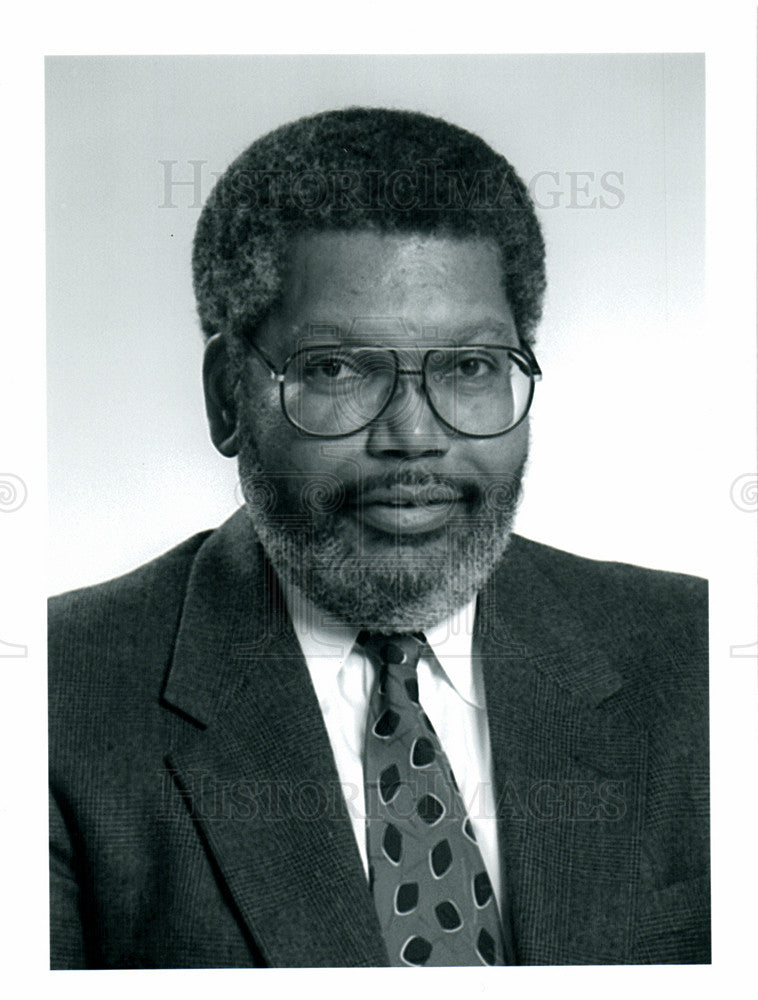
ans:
(524, 614)
(257, 769)
(569, 760)
(232, 613)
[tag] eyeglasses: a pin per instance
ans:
(337, 389)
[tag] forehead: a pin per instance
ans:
(390, 286)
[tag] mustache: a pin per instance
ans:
(327, 493)
(420, 486)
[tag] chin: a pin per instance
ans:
(374, 580)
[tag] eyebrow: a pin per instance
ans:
(496, 326)
(324, 330)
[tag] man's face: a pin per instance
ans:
(400, 523)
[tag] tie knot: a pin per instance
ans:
(393, 650)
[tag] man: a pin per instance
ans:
(362, 723)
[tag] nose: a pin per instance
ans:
(408, 428)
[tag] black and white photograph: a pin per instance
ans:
(397, 497)
(364, 721)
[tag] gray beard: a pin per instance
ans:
(380, 582)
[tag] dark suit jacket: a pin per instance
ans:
(197, 818)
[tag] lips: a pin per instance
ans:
(431, 495)
(406, 510)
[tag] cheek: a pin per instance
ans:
(314, 476)
(306, 473)
(505, 455)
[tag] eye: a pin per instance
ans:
(474, 366)
(328, 367)
(464, 366)
(331, 367)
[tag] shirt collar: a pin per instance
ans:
(451, 642)
(328, 641)
(322, 636)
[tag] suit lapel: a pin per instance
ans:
(257, 768)
(569, 769)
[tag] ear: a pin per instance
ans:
(220, 404)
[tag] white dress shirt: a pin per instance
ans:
(450, 690)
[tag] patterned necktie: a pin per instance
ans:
(431, 889)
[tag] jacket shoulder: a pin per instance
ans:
(648, 626)
(156, 576)
(628, 585)
(136, 613)
(635, 612)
